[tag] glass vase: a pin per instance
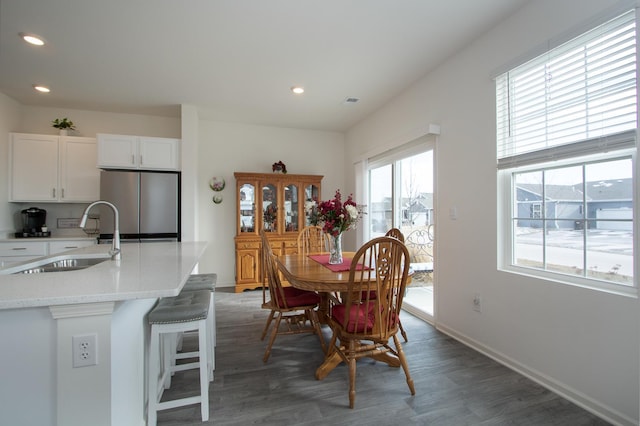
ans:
(335, 249)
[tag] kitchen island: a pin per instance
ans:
(41, 313)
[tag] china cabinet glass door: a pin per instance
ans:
(270, 208)
(311, 193)
(291, 208)
(247, 208)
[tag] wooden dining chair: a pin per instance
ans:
(363, 326)
(294, 307)
(395, 233)
(311, 239)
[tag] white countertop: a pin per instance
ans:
(147, 270)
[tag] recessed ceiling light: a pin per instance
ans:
(32, 39)
(298, 90)
(41, 88)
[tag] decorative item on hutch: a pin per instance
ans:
(273, 202)
(279, 167)
(335, 217)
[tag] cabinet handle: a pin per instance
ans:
(71, 247)
(141, 162)
(54, 193)
(62, 192)
(133, 159)
(19, 248)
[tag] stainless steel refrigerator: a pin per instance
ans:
(148, 204)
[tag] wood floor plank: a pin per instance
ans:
(455, 385)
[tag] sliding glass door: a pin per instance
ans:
(401, 194)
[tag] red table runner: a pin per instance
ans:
(323, 259)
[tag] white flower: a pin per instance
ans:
(309, 205)
(353, 211)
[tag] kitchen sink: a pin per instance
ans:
(59, 263)
(63, 265)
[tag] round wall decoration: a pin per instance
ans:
(217, 183)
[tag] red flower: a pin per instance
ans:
(335, 216)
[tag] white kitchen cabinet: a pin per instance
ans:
(138, 152)
(23, 250)
(47, 168)
(60, 246)
(79, 173)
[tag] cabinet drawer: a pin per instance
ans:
(23, 249)
(248, 245)
(291, 244)
(61, 246)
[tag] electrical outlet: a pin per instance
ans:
(477, 302)
(85, 350)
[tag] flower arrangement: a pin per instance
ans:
(270, 214)
(334, 216)
(63, 124)
(279, 167)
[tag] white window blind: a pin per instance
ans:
(577, 98)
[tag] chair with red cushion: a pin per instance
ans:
(364, 326)
(294, 307)
(397, 234)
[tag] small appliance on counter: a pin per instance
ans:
(34, 223)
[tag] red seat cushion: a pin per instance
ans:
(372, 295)
(296, 297)
(359, 317)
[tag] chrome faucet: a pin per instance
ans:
(115, 245)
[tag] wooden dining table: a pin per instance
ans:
(305, 273)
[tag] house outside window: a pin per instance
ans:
(566, 150)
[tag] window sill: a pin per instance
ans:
(585, 283)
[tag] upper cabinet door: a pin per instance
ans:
(159, 153)
(33, 167)
(79, 175)
(269, 207)
(46, 168)
(117, 151)
(291, 208)
(138, 152)
(246, 207)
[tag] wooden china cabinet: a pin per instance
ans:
(273, 202)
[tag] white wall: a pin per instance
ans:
(9, 122)
(582, 343)
(225, 148)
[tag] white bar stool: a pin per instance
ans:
(197, 282)
(186, 312)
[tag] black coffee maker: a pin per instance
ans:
(33, 219)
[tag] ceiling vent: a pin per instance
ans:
(350, 100)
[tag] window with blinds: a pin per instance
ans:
(566, 157)
(578, 98)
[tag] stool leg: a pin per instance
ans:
(211, 329)
(154, 371)
(203, 349)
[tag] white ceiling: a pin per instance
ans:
(234, 59)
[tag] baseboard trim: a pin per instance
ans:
(578, 398)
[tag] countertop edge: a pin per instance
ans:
(147, 270)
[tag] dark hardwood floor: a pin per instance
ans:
(454, 385)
